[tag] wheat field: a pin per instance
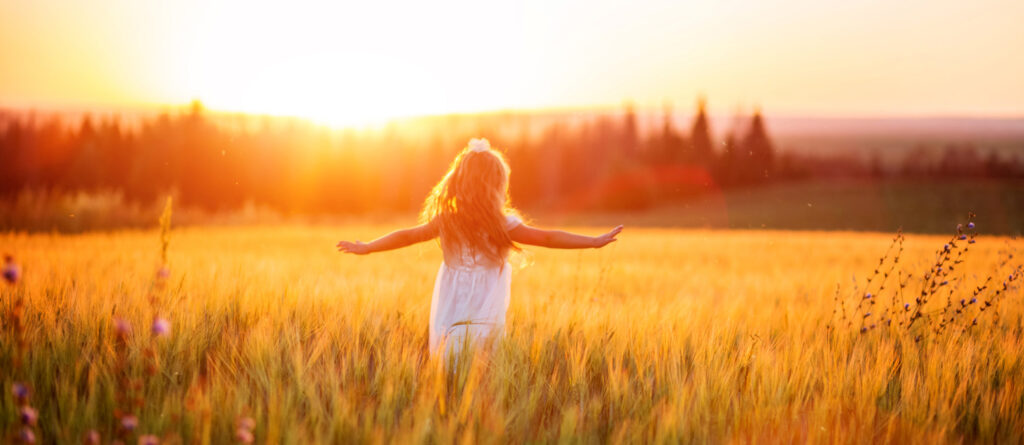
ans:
(665, 336)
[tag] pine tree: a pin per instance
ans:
(701, 148)
(758, 148)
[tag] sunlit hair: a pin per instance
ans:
(470, 203)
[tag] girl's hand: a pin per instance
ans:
(604, 240)
(358, 247)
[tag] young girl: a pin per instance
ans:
(470, 211)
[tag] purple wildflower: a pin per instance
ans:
(974, 300)
(963, 302)
(26, 435)
(129, 423)
(867, 297)
(906, 306)
(11, 271)
(970, 225)
(20, 391)
(970, 241)
(946, 247)
(149, 439)
(161, 327)
(943, 283)
(28, 415)
(122, 327)
(963, 237)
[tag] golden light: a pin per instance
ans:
(331, 65)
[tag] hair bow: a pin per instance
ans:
(479, 145)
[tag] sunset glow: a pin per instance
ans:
(356, 62)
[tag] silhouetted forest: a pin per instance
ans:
(594, 162)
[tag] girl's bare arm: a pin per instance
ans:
(391, 241)
(557, 239)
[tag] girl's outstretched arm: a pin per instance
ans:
(393, 240)
(558, 239)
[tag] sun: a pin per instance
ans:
(331, 66)
(335, 89)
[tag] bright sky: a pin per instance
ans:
(346, 62)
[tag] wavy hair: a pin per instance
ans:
(469, 205)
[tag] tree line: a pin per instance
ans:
(565, 162)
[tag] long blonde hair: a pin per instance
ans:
(469, 205)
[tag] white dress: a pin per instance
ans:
(470, 300)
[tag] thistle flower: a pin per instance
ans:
(91, 438)
(11, 270)
(946, 247)
(161, 327)
(149, 439)
(867, 297)
(974, 300)
(963, 237)
(943, 283)
(129, 423)
(970, 225)
(20, 392)
(906, 306)
(963, 302)
(970, 241)
(28, 415)
(26, 435)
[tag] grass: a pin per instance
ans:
(916, 206)
(668, 335)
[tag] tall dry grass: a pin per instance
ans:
(666, 336)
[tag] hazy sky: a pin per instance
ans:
(343, 62)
